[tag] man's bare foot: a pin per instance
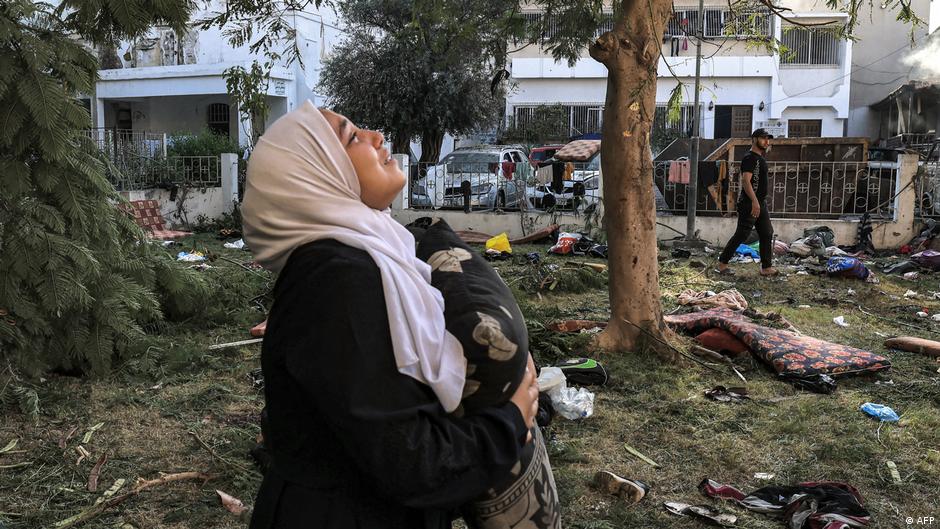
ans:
(769, 272)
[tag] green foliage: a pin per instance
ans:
(248, 89)
(418, 68)
(79, 283)
(204, 143)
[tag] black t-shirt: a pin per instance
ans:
(756, 165)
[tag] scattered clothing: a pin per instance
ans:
(785, 351)
(850, 267)
(810, 505)
(679, 172)
(902, 267)
(747, 251)
(237, 245)
(929, 259)
(731, 299)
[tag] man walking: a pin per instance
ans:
(752, 207)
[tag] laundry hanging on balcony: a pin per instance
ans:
(679, 171)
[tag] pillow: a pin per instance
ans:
(481, 312)
(721, 341)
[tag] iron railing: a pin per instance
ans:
(817, 190)
(923, 142)
(720, 22)
(928, 190)
(188, 171)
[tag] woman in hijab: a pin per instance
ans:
(360, 373)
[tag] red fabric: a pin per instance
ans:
(147, 215)
(722, 341)
(258, 330)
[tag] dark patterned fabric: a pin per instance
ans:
(529, 501)
(481, 312)
(810, 505)
(788, 353)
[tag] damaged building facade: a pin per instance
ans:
(164, 82)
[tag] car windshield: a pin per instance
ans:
(538, 156)
(470, 162)
(594, 164)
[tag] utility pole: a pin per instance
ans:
(696, 126)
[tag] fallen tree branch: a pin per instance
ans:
(234, 344)
(141, 486)
(216, 455)
(681, 353)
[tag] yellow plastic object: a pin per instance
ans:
(500, 243)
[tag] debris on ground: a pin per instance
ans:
(571, 403)
(237, 245)
(723, 394)
(702, 512)
(731, 299)
(810, 504)
(880, 412)
(575, 325)
(817, 383)
(893, 469)
(910, 294)
(640, 455)
(231, 503)
(840, 321)
(929, 259)
(723, 342)
(850, 267)
(258, 330)
(764, 475)
(631, 490)
(914, 345)
(190, 257)
(499, 243)
(584, 372)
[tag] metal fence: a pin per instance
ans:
(816, 190)
(928, 190)
(188, 171)
(501, 186)
(119, 144)
(923, 142)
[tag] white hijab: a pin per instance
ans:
(302, 187)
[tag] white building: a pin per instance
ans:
(164, 82)
(803, 93)
(881, 62)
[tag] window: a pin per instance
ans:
(804, 128)
(218, 118)
(720, 22)
(810, 46)
(684, 124)
(549, 27)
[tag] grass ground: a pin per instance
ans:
(184, 408)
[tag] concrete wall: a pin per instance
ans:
(190, 204)
(715, 230)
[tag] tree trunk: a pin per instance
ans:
(431, 146)
(631, 51)
(401, 143)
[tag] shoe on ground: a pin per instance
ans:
(631, 490)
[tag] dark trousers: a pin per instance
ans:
(746, 223)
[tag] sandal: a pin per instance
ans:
(725, 272)
(770, 274)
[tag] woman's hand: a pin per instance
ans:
(526, 397)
